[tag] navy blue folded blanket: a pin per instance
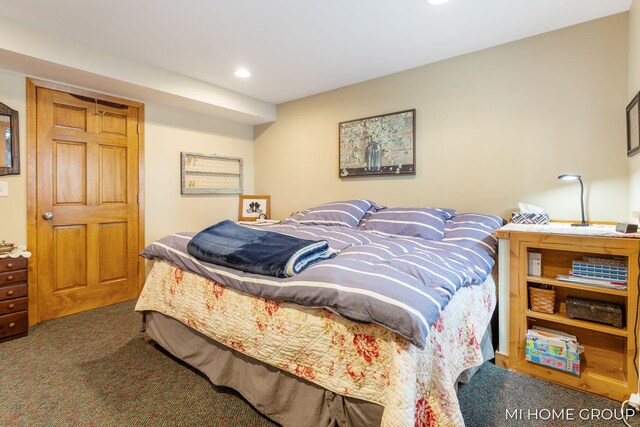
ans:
(257, 251)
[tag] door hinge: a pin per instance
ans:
(138, 128)
(138, 198)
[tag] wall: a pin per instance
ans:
(170, 131)
(632, 89)
(167, 132)
(493, 128)
(13, 209)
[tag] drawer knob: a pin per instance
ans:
(12, 325)
(9, 278)
(9, 265)
(10, 293)
(11, 306)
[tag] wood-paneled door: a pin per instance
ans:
(86, 215)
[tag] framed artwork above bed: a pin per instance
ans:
(378, 145)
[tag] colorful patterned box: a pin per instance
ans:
(553, 357)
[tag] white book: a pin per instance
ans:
(592, 282)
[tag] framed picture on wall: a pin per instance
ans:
(378, 145)
(633, 126)
(252, 208)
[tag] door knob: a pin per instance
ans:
(48, 216)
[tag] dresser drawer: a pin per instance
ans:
(13, 306)
(13, 277)
(14, 324)
(13, 291)
(10, 264)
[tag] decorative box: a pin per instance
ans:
(561, 356)
(529, 218)
(595, 311)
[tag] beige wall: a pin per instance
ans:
(633, 88)
(168, 131)
(494, 127)
(13, 209)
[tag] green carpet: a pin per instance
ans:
(96, 369)
(493, 391)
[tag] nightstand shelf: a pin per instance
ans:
(571, 285)
(607, 367)
(561, 318)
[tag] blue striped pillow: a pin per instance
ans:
(471, 229)
(295, 218)
(426, 223)
(347, 213)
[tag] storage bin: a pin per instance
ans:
(555, 357)
(542, 300)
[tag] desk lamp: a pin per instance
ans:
(571, 177)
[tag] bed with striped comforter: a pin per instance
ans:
(402, 283)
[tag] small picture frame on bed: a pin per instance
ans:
(252, 208)
(378, 145)
(633, 127)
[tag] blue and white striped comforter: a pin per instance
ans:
(402, 283)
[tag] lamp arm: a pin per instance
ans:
(582, 201)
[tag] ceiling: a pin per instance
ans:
(296, 48)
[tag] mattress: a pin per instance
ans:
(351, 360)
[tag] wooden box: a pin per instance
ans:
(595, 311)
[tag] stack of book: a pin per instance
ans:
(603, 272)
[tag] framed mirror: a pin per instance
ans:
(9, 141)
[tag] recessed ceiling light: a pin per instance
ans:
(436, 2)
(242, 73)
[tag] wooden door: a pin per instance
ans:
(86, 208)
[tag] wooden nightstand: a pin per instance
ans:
(608, 367)
(14, 319)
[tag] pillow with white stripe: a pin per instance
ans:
(426, 223)
(470, 229)
(295, 218)
(346, 213)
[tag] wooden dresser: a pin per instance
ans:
(14, 319)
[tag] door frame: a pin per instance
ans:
(32, 205)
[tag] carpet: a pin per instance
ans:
(96, 369)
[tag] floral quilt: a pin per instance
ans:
(363, 360)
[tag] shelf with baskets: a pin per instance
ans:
(602, 319)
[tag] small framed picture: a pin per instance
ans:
(253, 208)
(633, 127)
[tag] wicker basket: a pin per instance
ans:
(542, 300)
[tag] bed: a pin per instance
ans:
(416, 316)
